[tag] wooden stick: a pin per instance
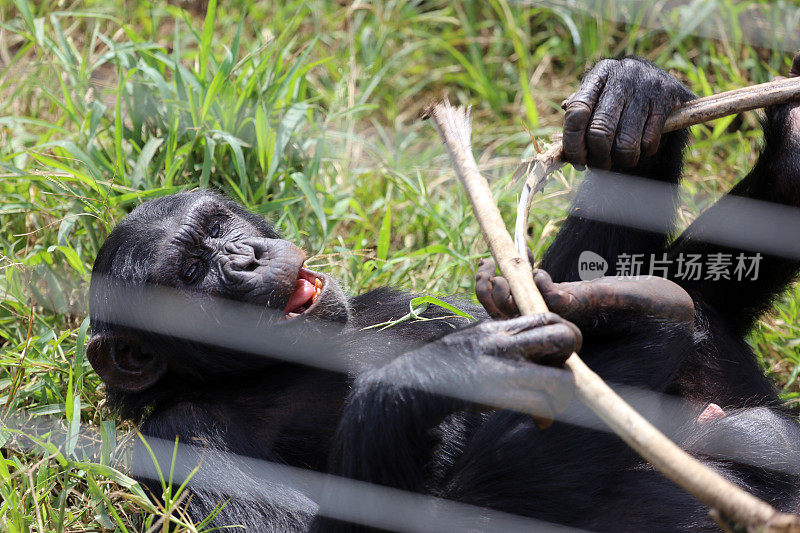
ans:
(689, 114)
(727, 499)
(733, 102)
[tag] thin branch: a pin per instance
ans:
(734, 102)
(708, 486)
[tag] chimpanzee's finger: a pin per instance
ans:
(561, 340)
(501, 294)
(483, 288)
(795, 66)
(545, 338)
(542, 279)
(552, 318)
(628, 141)
(486, 268)
(579, 111)
(556, 300)
(603, 127)
(654, 127)
(545, 284)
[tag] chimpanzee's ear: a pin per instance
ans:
(122, 364)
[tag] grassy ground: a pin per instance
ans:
(306, 112)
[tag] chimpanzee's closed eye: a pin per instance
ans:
(192, 272)
(215, 231)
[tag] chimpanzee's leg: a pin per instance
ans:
(735, 259)
(755, 448)
(637, 332)
(590, 479)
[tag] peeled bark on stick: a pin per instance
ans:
(724, 498)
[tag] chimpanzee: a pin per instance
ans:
(179, 375)
(683, 338)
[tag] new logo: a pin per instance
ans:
(591, 266)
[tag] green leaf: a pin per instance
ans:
(237, 38)
(155, 76)
(238, 156)
(291, 119)
(64, 228)
(25, 10)
(261, 136)
(384, 236)
(208, 160)
(108, 438)
(441, 303)
(208, 36)
(80, 350)
(71, 256)
(108, 472)
(69, 398)
(140, 169)
(74, 425)
(211, 93)
(84, 160)
(118, 127)
(721, 125)
(311, 196)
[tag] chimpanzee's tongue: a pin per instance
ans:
(303, 291)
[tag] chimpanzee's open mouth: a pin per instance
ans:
(307, 288)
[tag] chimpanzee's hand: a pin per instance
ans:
(604, 304)
(618, 113)
(511, 346)
(545, 339)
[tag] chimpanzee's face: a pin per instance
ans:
(208, 251)
(216, 248)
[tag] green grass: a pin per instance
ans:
(307, 113)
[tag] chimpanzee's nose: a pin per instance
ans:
(252, 253)
(259, 270)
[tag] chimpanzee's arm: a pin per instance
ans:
(755, 227)
(614, 121)
(385, 433)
